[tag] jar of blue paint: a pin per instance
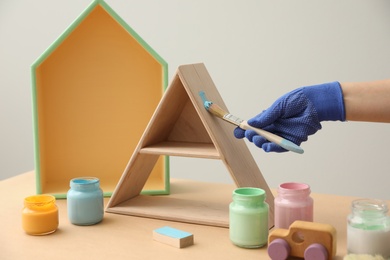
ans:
(85, 201)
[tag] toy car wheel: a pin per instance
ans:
(316, 252)
(279, 249)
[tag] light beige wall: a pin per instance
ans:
(255, 51)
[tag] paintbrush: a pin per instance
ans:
(220, 113)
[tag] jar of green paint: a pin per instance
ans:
(248, 218)
(85, 201)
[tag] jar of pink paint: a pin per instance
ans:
(293, 202)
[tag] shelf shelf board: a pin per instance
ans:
(183, 149)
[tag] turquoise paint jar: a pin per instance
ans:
(248, 218)
(85, 201)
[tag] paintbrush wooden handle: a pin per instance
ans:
(286, 144)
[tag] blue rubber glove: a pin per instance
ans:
(296, 115)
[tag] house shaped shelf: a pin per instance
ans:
(181, 126)
(94, 91)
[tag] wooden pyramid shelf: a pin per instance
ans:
(181, 126)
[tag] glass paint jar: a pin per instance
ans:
(85, 201)
(40, 215)
(368, 229)
(293, 202)
(248, 218)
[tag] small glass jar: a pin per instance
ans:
(40, 215)
(368, 229)
(85, 201)
(292, 203)
(248, 218)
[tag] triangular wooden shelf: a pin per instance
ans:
(181, 126)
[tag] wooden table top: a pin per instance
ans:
(126, 237)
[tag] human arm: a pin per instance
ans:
(367, 101)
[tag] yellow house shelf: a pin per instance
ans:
(94, 91)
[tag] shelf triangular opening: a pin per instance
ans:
(181, 126)
(176, 125)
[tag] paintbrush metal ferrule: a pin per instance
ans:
(233, 119)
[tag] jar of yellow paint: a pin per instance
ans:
(40, 215)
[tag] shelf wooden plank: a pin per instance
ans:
(200, 203)
(183, 149)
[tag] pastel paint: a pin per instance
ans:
(293, 203)
(248, 218)
(373, 242)
(40, 215)
(173, 237)
(368, 229)
(85, 201)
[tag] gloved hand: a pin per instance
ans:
(296, 115)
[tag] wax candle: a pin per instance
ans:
(40, 215)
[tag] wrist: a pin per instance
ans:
(328, 101)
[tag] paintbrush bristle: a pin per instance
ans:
(211, 107)
(216, 110)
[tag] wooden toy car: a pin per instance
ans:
(310, 240)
